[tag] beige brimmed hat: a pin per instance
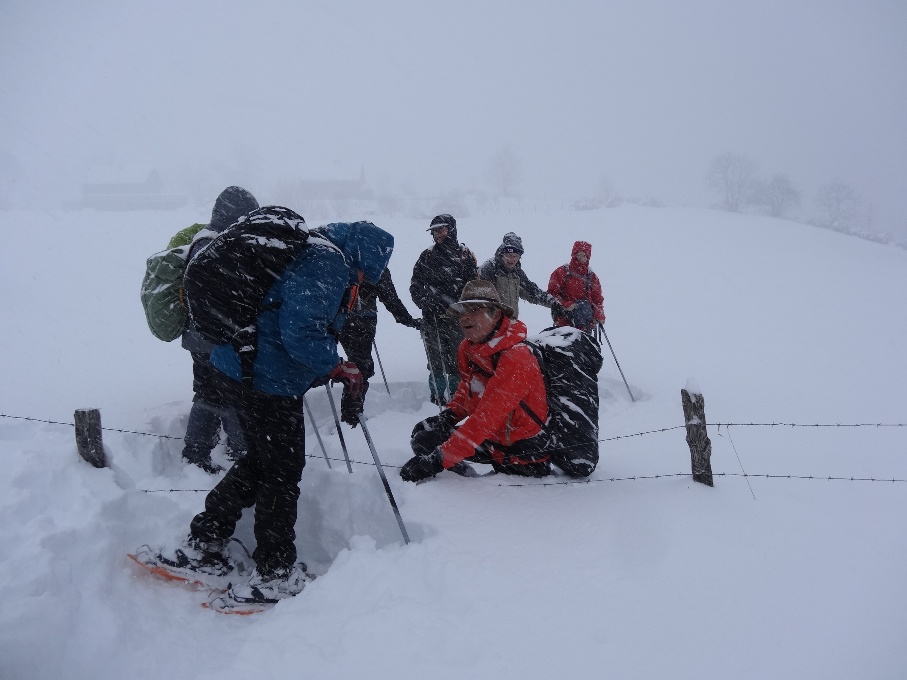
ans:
(479, 292)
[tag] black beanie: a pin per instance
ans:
(233, 203)
(444, 220)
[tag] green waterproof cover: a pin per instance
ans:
(184, 236)
(162, 293)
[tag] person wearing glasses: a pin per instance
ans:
(501, 396)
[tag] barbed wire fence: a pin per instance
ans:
(727, 425)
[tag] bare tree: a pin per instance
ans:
(778, 195)
(505, 171)
(838, 204)
(731, 174)
(608, 195)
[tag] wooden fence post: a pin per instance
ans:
(697, 437)
(88, 436)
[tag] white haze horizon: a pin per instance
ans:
(423, 95)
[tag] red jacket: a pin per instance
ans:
(572, 282)
(491, 396)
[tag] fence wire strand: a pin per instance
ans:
(719, 425)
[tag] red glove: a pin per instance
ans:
(348, 373)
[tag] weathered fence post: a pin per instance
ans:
(88, 436)
(697, 437)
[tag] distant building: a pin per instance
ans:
(122, 188)
(334, 189)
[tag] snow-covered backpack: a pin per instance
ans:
(227, 279)
(570, 361)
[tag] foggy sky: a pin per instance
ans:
(422, 94)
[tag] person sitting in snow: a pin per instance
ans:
(576, 287)
(501, 392)
(296, 349)
(505, 272)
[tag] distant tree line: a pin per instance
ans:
(838, 205)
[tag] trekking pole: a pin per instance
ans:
(381, 366)
(346, 454)
(431, 369)
(306, 408)
(387, 487)
(601, 327)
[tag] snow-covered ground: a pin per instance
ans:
(627, 578)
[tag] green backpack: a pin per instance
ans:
(162, 286)
(184, 236)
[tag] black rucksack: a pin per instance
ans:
(225, 282)
(570, 361)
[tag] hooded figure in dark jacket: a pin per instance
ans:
(208, 411)
(358, 334)
(505, 272)
(438, 279)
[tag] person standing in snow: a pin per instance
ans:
(501, 392)
(576, 287)
(208, 411)
(358, 334)
(438, 279)
(505, 272)
(296, 349)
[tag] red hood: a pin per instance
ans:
(580, 247)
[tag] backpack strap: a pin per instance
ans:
(495, 358)
(585, 279)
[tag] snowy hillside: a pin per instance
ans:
(639, 573)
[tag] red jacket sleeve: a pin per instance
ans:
(556, 283)
(595, 297)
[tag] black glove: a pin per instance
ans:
(350, 406)
(439, 423)
(418, 468)
(558, 310)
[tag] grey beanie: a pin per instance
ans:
(511, 244)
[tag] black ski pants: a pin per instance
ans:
(208, 413)
(357, 338)
(266, 477)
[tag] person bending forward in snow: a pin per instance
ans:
(296, 349)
